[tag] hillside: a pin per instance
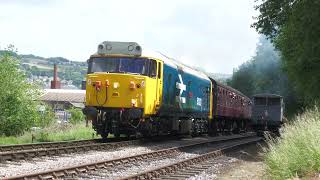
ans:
(69, 72)
(40, 69)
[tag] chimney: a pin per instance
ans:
(55, 84)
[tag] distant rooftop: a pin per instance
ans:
(64, 95)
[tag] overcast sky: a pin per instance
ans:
(213, 34)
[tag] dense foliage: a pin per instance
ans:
(47, 116)
(297, 152)
(18, 110)
(263, 74)
(76, 115)
(294, 27)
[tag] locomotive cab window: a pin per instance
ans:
(126, 65)
(153, 68)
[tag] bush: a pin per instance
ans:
(47, 116)
(297, 152)
(76, 115)
(18, 110)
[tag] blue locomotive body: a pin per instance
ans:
(186, 92)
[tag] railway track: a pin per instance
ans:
(21, 147)
(189, 167)
(92, 170)
(28, 151)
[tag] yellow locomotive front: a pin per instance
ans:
(122, 88)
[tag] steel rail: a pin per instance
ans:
(29, 146)
(174, 167)
(28, 154)
(83, 168)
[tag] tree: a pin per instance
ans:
(263, 74)
(18, 108)
(294, 28)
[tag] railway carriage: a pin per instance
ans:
(231, 109)
(267, 112)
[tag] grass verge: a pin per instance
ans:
(297, 152)
(56, 132)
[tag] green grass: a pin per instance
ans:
(57, 132)
(297, 152)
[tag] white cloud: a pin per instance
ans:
(213, 34)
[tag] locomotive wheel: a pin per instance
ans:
(104, 135)
(235, 127)
(213, 128)
(117, 135)
(229, 125)
(220, 126)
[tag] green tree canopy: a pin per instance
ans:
(263, 74)
(294, 27)
(18, 108)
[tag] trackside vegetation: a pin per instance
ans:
(297, 152)
(21, 120)
(294, 30)
(53, 133)
(18, 108)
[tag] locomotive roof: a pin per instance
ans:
(267, 95)
(175, 63)
(133, 49)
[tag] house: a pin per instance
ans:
(61, 99)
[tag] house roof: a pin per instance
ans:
(63, 95)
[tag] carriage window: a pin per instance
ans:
(260, 101)
(273, 101)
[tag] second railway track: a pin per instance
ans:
(89, 170)
(30, 146)
(27, 151)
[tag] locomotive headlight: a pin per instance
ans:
(116, 85)
(100, 46)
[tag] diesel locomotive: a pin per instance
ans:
(130, 90)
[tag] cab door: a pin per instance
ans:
(159, 84)
(153, 88)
